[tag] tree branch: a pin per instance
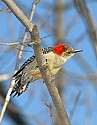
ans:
(83, 9)
(47, 77)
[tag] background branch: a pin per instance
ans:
(84, 11)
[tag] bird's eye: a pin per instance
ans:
(69, 53)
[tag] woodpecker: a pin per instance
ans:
(55, 57)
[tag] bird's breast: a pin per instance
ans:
(54, 62)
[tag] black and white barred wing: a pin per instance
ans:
(25, 75)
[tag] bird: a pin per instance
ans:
(55, 57)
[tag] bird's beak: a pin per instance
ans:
(75, 51)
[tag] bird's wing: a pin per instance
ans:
(25, 64)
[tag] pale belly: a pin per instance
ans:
(36, 74)
(54, 64)
(54, 71)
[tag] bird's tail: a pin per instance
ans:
(19, 87)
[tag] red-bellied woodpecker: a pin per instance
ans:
(55, 57)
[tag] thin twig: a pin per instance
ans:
(28, 41)
(10, 44)
(6, 100)
(51, 113)
(46, 37)
(75, 105)
(5, 11)
(22, 49)
(50, 108)
(16, 43)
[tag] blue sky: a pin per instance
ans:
(32, 102)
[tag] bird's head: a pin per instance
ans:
(65, 51)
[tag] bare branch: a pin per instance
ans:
(75, 105)
(83, 9)
(47, 77)
(25, 35)
(51, 113)
(10, 44)
(22, 51)
(50, 108)
(5, 11)
(6, 100)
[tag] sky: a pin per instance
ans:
(32, 103)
